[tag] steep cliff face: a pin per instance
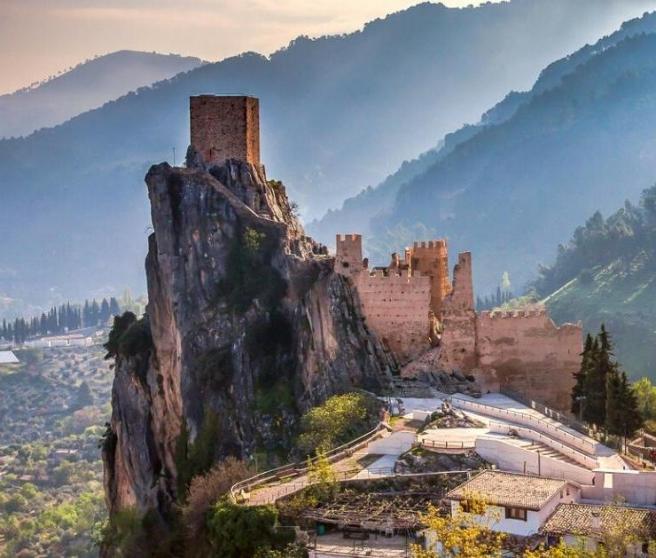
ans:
(250, 326)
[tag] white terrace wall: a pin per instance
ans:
(510, 457)
(557, 432)
(396, 307)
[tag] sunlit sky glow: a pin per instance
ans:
(39, 38)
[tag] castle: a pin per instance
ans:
(425, 317)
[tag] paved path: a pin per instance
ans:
(606, 457)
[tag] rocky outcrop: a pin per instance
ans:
(250, 327)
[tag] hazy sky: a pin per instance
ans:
(38, 38)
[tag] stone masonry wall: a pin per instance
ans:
(458, 347)
(225, 127)
(527, 353)
(348, 254)
(396, 307)
(432, 259)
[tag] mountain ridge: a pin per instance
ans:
(86, 86)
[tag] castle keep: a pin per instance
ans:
(421, 313)
(225, 127)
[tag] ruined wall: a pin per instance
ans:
(527, 353)
(348, 254)
(458, 347)
(396, 308)
(432, 259)
(225, 127)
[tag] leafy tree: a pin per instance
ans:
(645, 393)
(339, 419)
(241, 531)
(465, 535)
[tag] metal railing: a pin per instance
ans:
(294, 470)
(563, 418)
(564, 449)
(446, 444)
(539, 424)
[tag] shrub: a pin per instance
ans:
(129, 336)
(338, 420)
(250, 273)
(205, 491)
(240, 531)
(197, 457)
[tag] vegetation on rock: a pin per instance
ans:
(339, 419)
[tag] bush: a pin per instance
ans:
(338, 420)
(129, 336)
(250, 273)
(205, 491)
(197, 457)
(240, 531)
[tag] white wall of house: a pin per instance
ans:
(510, 457)
(495, 516)
(634, 487)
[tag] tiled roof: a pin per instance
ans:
(578, 519)
(499, 488)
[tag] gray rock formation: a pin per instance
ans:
(249, 324)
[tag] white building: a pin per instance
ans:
(516, 504)
(589, 526)
(8, 357)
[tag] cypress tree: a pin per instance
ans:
(594, 410)
(578, 391)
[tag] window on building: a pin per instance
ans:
(516, 513)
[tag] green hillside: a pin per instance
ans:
(608, 270)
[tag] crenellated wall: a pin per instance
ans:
(396, 307)
(526, 352)
(523, 351)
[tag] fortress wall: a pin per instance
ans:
(459, 320)
(225, 127)
(396, 308)
(526, 352)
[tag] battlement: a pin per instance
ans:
(438, 246)
(348, 254)
(513, 314)
(225, 127)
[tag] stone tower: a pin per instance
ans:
(348, 254)
(225, 127)
(432, 259)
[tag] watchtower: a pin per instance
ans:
(225, 127)
(348, 254)
(432, 259)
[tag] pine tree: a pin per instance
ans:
(594, 409)
(627, 419)
(578, 391)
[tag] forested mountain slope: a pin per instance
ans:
(606, 274)
(371, 204)
(337, 113)
(515, 189)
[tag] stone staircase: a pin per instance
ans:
(545, 450)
